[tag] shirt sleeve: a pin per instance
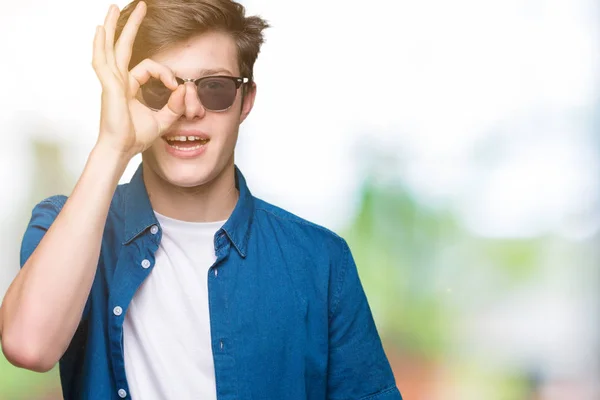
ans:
(42, 217)
(358, 367)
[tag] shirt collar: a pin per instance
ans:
(139, 215)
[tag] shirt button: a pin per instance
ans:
(216, 272)
(145, 264)
(122, 393)
(117, 311)
(154, 229)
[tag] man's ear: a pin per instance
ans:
(248, 96)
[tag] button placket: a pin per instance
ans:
(122, 295)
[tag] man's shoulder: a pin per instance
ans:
(49, 207)
(57, 201)
(293, 226)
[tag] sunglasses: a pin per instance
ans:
(216, 93)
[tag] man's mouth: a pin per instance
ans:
(186, 143)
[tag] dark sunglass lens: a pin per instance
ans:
(155, 94)
(217, 94)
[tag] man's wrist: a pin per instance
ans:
(108, 153)
(110, 158)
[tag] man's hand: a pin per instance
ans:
(126, 125)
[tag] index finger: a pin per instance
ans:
(148, 68)
(124, 45)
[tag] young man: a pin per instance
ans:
(181, 284)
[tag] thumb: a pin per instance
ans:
(173, 110)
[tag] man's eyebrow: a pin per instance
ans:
(215, 71)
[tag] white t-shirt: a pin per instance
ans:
(166, 332)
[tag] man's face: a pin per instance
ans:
(200, 56)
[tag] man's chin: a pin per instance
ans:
(186, 176)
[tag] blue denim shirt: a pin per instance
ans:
(288, 315)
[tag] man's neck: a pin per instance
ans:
(213, 201)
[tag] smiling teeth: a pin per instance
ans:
(172, 139)
(183, 138)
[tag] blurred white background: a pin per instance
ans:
(489, 109)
